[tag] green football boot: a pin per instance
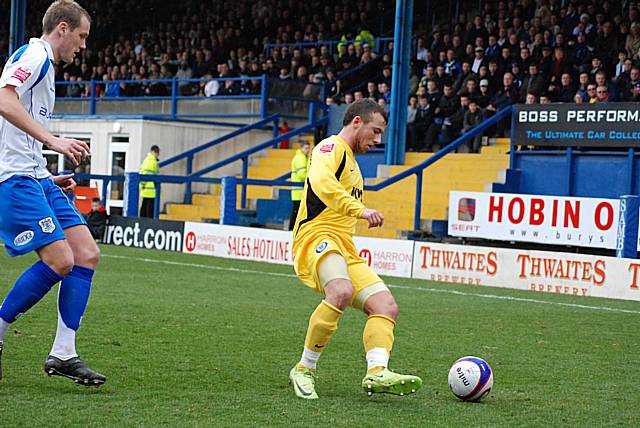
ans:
(388, 382)
(304, 382)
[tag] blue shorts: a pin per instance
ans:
(34, 213)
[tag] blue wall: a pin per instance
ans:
(575, 173)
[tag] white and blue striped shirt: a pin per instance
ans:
(30, 69)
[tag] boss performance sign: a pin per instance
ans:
(578, 125)
(144, 233)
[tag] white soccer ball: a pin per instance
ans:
(470, 378)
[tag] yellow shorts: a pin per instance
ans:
(309, 255)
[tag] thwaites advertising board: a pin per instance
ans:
(540, 271)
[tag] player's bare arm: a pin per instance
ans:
(12, 110)
(374, 217)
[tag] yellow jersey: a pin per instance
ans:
(332, 196)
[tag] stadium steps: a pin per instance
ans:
(274, 163)
(456, 171)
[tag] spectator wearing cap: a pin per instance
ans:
(479, 60)
(534, 82)
(484, 98)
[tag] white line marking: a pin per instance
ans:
(402, 287)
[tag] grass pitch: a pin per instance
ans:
(198, 341)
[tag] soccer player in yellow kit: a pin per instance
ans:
(326, 259)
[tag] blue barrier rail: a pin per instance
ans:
(189, 154)
(418, 169)
(270, 91)
(197, 177)
(244, 155)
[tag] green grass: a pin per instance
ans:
(192, 346)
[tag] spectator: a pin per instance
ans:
(566, 91)
(423, 119)
(479, 60)
(97, 219)
(591, 93)
(452, 125)
(472, 118)
(545, 99)
(534, 82)
(602, 94)
(632, 43)
(631, 91)
(531, 99)
(484, 97)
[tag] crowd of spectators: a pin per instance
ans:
(530, 52)
(521, 51)
(214, 39)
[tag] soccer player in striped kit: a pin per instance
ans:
(36, 214)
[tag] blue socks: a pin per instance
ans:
(32, 285)
(74, 295)
(72, 301)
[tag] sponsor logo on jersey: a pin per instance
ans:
(47, 225)
(24, 238)
(22, 74)
(323, 246)
(327, 148)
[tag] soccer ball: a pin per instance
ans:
(470, 378)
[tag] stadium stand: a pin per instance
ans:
(508, 52)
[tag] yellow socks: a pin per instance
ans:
(378, 341)
(322, 324)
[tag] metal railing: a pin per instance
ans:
(418, 170)
(131, 188)
(189, 154)
(271, 92)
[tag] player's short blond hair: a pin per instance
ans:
(63, 11)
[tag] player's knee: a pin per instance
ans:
(339, 292)
(382, 304)
(62, 263)
(88, 257)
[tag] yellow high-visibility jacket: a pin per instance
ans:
(149, 166)
(298, 173)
